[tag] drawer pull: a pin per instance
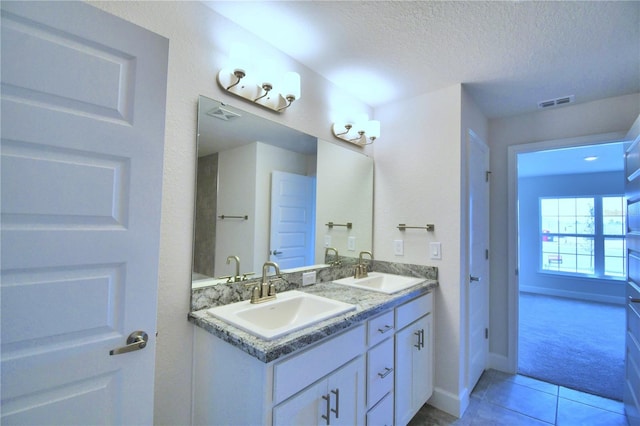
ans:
(385, 329)
(387, 371)
(633, 300)
(337, 410)
(328, 408)
(420, 334)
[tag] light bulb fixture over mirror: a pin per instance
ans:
(362, 133)
(276, 96)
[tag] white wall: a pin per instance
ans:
(199, 42)
(604, 116)
(236, 186)
(418, 182)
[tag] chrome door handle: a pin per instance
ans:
(472, 278)
(136, 341)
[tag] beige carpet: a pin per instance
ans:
(571, 343)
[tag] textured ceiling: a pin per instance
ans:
(509, 54)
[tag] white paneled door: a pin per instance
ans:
(478, 244)
(83, 104)
(632, 335)
(292, 220)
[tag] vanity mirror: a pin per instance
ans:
(265, 191)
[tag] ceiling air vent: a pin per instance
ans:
(222, 114)
(556, 102)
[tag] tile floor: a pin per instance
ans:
(505, 399)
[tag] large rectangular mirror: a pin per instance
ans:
(265, 192)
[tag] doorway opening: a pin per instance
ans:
(572, 267)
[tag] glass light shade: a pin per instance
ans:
(291, 85)
(361, 122)
(239, 57)
(373, 129)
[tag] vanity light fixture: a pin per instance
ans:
(275, 96)
(363, 133)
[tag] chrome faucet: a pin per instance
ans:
(266, 290)
(336, 262)
(236, 277)
(361, 267)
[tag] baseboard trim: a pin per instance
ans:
(501, 363)
(591, 297)
(450, 403)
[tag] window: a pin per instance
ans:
(584, 235)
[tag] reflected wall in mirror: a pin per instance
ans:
(266, 192)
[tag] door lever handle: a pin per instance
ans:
(136, 341)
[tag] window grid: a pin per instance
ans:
(583, 236)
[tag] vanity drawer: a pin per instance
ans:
(379, 371)
(380, 327)
(382, 414)
(413, 310)
(295, 373)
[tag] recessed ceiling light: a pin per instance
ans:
(590, 158)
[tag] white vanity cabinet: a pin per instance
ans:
(232, 387)
(413, 357)
(376, 373)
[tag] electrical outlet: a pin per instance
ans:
(309, 278)
(398, 247)
(435, 251)
(351, 243)
(327, 240)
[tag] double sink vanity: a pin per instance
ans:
(343, 350)
(331, 341)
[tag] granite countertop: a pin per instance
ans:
(368, 304)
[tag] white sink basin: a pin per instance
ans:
(381, 282)
(290, 311)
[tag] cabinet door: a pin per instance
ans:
(414, 381)
(304, 408)
(336, 400)
(346, 389)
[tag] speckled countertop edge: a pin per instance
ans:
(368, 304)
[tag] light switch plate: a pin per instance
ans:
(435, 251)
(309, 278)
(398, 247)
(351, 243)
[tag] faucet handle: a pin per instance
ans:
(246, 274)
